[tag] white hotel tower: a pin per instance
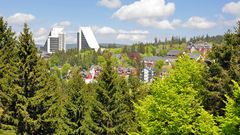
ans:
(55, 40)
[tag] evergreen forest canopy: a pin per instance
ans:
(195, 98)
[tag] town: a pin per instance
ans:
(120, 67)
(151, 65)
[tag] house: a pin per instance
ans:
(134, 56)
(123, 71)
(199, 47)
(118, 56)
(164, 72)
(174, 53)
(150, 61)
(195, 56)
(92, 75)
(147, 75)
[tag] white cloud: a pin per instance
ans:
(110, 3)
(20, 18)
(232, 8)
(109, 30)
(62, 24)
(71, 38)
(133, 31)
(104, 30)
(145, 9)
(222, 21)
(131, 37)
(40, 35)
(196, 22)
(149, 13)
(162, 24)
(121, 34)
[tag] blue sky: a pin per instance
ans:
(123, 21)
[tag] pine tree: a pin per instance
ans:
(8, 73)
(111, 112)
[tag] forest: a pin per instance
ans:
(194, 98)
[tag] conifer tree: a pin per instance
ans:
(8, 73)
(226, 67)
(78, 100)
(111, 113)
(32, 78)
(55, 100)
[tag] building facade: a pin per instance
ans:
(55, 40)
(147, 75)
(86, 39)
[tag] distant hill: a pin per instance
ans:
(71, 46)
(104, 45)
(112, 45)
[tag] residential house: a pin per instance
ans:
(147, 75)
(195, 56)
(134, 55)
(118, 56)
(175, 53)
(200, 47)
(150, 61)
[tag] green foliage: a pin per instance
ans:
(213, 39)
(158, 66)
(111, 113)
(138, 90)
(54, 61)
(79, 103)
(101, 60)
(8, 72)
(173, 106)
(230, 124)
(216, 82)
(115, 61)
(32, 81)
(35, 95)
(7, 132)
(73, 57)
(65, 68)
(225, 68)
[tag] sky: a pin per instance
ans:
(123, 21)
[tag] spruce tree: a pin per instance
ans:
(111, 113)
(32, 84)
(225, 68)
(78, 100)
(8, 73)
(55, 101)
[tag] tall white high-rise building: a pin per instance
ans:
(55, 41)
(86, 39)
